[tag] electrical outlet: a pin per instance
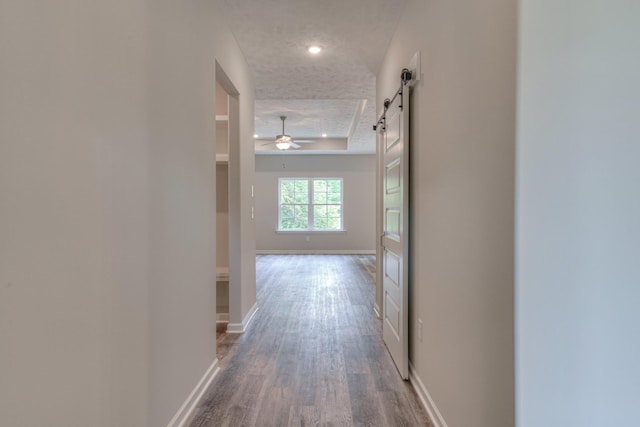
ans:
(308, 239)
(420, 330)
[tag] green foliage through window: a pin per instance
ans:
(310, 204)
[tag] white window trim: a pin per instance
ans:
(310, 204)
(343, 231)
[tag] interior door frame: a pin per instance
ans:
(235, 317)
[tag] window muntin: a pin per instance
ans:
(310, 204)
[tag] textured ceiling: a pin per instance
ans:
(306, 118)
(333, 92)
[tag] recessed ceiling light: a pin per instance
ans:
(255, 135)
(324, 135)
(315, 50)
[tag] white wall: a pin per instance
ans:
(462, 195)
(107, 207)
(578, 229)
(358, 173)
(73, 213)
(186, 41)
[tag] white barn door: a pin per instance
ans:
(394, 152)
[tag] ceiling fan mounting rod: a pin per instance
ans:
(283, 118)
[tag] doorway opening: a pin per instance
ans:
(228, 249)
(222, 207)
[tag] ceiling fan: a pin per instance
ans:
(284, 141)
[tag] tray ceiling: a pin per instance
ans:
(332, 92)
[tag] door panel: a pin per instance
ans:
(393, 177)
(393, 316)
(392, 224)
(394, 150)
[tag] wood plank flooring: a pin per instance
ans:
(313, 355)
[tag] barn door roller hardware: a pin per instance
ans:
(405, 79)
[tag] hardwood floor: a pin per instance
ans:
(313, 354)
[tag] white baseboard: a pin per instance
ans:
(187, 411)
(239, 328)
(425, 398)
(317, 252)
(222, 318)
(376, 309)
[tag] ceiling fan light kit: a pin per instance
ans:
(284, 138)
(284, 141)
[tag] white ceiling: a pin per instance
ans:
(333, 92)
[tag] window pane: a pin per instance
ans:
(320, 223)
(301, 224)
(302, 186)
(286, 198)
(286, 186)
(333, 198)
(296, 223)
(320, 185)
(320, 211)
(286, 191)
(333, 211)
(320, 198)
(301, 198)
(287, 224)
(333, 186)
(334, 224)
(286, 211)
(301, 211)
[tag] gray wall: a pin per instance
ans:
(358, 173)
(462, 195)
(578, 223)
(107, 207)
(74, 221)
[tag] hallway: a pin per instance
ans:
(313, 354)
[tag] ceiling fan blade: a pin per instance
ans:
(306, 141)
(294, 145)
(267, 143)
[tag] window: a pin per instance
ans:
(310, 204)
